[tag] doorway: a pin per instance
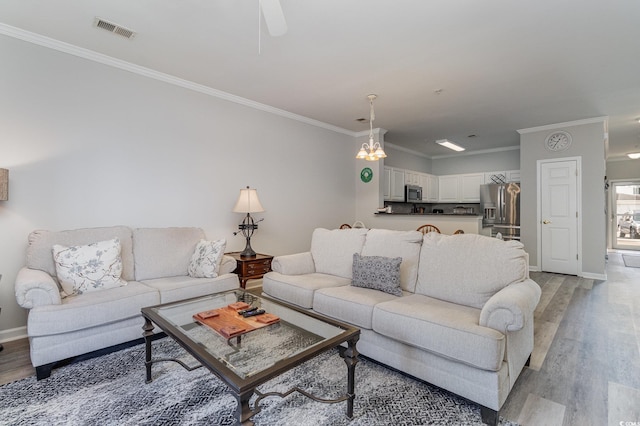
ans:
(625, 215)
(558, 222)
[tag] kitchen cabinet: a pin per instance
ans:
(429, 184)
(460, 188)
(513, 175)
(411, 178)
(502, 176)
(448, 188)
(393, 184)
(470, 187)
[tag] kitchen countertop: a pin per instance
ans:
(429, 214)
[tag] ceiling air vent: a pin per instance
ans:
(113, 28)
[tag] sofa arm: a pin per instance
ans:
(227, 265)
(508, 309)
(36, 288)
(294, 264)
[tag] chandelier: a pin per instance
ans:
(375, 151)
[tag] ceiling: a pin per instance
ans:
(441, 68)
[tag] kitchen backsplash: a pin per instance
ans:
(408, 208)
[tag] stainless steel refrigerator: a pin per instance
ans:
(500, 203)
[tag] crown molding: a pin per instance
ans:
(603, 119)
(91, 55)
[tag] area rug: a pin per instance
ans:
(111, 390)
(631, 261)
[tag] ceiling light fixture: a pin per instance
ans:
(448, 144)
(375, 150)
(634, 155)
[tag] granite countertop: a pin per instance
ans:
(428, 214)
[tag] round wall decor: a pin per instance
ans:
(558, 141)
(366, 175)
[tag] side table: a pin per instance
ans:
(251, 268)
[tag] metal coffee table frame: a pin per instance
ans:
(244, 388)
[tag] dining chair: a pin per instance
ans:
(425, 229)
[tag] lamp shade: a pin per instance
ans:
(248, 202)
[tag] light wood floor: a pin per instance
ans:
(585, 368)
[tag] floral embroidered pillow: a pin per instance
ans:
(81, 269)
(377, 273)
(206, 259)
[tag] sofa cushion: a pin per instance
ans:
(41, 242)
(92, 267)
(468, 269)
(206, 259)
(440, 327)
(332, 250)
(404, 244)
(299, 289)
(350, 304)
(164, 252)
(377, 273)
(183, 287)
(92, 309)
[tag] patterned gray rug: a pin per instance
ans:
(111, 390)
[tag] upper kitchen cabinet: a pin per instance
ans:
(470, 187)
(448, 188)
(502, 176)
(393, 184)
(411, 178)
(429, 184)
(460, 188)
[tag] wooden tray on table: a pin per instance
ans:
(228, 323)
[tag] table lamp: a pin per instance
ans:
(248, 203)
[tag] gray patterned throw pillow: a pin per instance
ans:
(378, 273)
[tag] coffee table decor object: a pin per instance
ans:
(261, 348)
(230, 322)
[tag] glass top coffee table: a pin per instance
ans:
(246, 360)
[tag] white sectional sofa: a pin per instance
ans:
(463, 322)
(154, 266)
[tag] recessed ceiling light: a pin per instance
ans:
(634, 155)
(448, 144)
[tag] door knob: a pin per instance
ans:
(546, 222)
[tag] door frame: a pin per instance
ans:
(612, 223)
(539, 164)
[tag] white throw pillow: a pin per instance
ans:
(91, 267)
(206, 259)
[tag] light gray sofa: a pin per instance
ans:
(464, 321)
(154, 264)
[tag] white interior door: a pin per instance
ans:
(559, 217)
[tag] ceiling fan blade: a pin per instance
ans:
(273, 16)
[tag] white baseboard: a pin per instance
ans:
(591, 276)
(533, 268)
(13, 334)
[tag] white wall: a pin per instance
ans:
(588, 144)
(90, 145)
(625, 169)
(499, 160)
(402, 159)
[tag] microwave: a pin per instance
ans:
(412, 193)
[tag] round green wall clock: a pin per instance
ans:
(366, 174)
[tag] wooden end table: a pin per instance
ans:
(251, 268)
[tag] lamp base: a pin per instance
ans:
(248, 251)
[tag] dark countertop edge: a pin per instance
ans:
(429, 214)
